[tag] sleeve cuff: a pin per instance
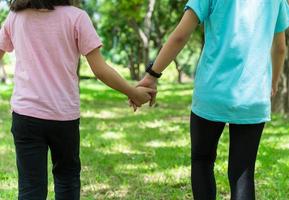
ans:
(196, 11)
(91, 48)
(282, 29)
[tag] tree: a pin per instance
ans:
(144, 31)
(281, 101)
(127, 39)
(139, 32)
(3, 15)
(164, 24)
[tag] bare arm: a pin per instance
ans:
(172, 48)
(278, 54)
(111, 78)
(177, 40)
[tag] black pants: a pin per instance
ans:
(32, 138)
(244, 142)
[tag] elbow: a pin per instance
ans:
(280, 50)
(179, 39)
(99, 75)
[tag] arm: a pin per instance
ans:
(111, 78)
(177, 40)
(172, 48)
(278, 54)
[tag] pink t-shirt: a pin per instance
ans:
(47, 46)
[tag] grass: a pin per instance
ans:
(146, 155)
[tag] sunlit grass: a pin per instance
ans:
(146, 155)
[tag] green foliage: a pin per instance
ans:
(120, 38)
(146, 155)
(3, 13)
(119, 26)
(118, 21)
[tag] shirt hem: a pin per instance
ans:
(211, 117)
(55, 117)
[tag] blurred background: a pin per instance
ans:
(145, 155)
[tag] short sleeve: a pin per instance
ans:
(200, 7)
(5, 36)
(283, 17)
(85, 34)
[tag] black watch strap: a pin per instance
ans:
(150, 71)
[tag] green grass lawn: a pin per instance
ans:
(146, 155)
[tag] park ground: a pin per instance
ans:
(146, 155)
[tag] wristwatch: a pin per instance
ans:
(151, 72)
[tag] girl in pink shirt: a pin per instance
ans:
(48, 38)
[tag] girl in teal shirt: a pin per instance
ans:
(236, 76)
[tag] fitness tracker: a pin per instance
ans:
(151, 72)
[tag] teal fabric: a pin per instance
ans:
(233, 78)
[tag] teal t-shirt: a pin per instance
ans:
(234, 74)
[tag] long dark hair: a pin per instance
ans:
(18, 5)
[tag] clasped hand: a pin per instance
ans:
(149, 85)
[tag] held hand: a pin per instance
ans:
(150, 82)
(142, 95)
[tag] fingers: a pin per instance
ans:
(145, 94)
(151, 95)
(149, 90)
(153, 100)
(134, 107)
(135, 104)
(131, 104)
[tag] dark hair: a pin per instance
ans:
(18, 5)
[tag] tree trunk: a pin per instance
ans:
(134, 67)
(145, 32)
(3, 76)
(179, 70)
(133, 70)
(280, 103)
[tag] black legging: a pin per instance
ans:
(244, 142)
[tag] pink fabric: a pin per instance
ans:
(47, 46)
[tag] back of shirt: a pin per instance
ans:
(47, 46)
(233, 80)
